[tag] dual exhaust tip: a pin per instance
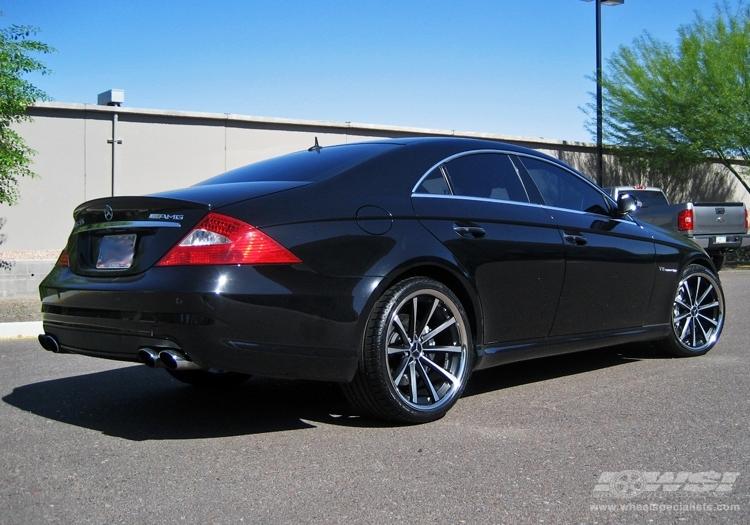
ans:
(152, 358)
(49, 343)
(170, 359)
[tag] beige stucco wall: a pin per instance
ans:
(159, 151)
(162, 150)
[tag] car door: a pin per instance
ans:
(610, 260)
(476, 205)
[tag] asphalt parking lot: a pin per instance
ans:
(620, 435)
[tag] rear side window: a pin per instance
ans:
(562, 189)
(486, 175)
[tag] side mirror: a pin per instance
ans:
(626, 203)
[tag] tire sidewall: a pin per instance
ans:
(674, 345)
(375, 346)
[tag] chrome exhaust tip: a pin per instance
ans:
(176, 361)
(49, 343)
(150, 358)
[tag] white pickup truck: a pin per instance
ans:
(718, 227)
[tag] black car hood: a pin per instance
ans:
(218, 195)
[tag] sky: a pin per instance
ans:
(507, 67)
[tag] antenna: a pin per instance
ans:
(316, 148)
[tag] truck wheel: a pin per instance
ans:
(697, 313)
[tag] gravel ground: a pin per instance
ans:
(20, 309)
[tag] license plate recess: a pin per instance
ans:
(116, 252)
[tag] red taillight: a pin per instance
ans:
(685, 220)
(219, 239)
(63, 260)
(747, 224)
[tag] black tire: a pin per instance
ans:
(410, 378)
(697, 313)
(209, 378)
(718, 260)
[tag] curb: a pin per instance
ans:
(20, 330)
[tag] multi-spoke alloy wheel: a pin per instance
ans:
(697, 313)
(417, 354)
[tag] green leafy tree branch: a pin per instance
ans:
(17, 50)
(667, 108)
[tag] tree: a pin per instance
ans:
(667, 109)
(16, 95)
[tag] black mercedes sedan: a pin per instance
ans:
(394, 267)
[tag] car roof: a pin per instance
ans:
(387, 166)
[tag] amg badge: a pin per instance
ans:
(166, 217)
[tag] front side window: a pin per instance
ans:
(486, 175)
(562, 189)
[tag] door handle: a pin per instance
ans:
(578, 240)
(475, 232)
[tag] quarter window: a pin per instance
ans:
(434, 183)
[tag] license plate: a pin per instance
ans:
(720, 240)
(116, 251)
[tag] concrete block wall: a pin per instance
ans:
(22, 278)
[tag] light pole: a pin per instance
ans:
(599, 149)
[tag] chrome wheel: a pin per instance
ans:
(427, 349)
(697, 312)
(417, 354)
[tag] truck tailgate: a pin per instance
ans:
(719, 218)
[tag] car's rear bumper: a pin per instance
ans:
(269, 321)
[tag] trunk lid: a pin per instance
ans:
(121, 236)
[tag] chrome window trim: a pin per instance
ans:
(480, 199)
(446, 178)
(446, 175)
(125, 224)
(585, 179)
(573, 172)
(627, 219)
(518, 203)
(455, 156)
(569, 210)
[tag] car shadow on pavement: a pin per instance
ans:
(534, 370)
(137, 403)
